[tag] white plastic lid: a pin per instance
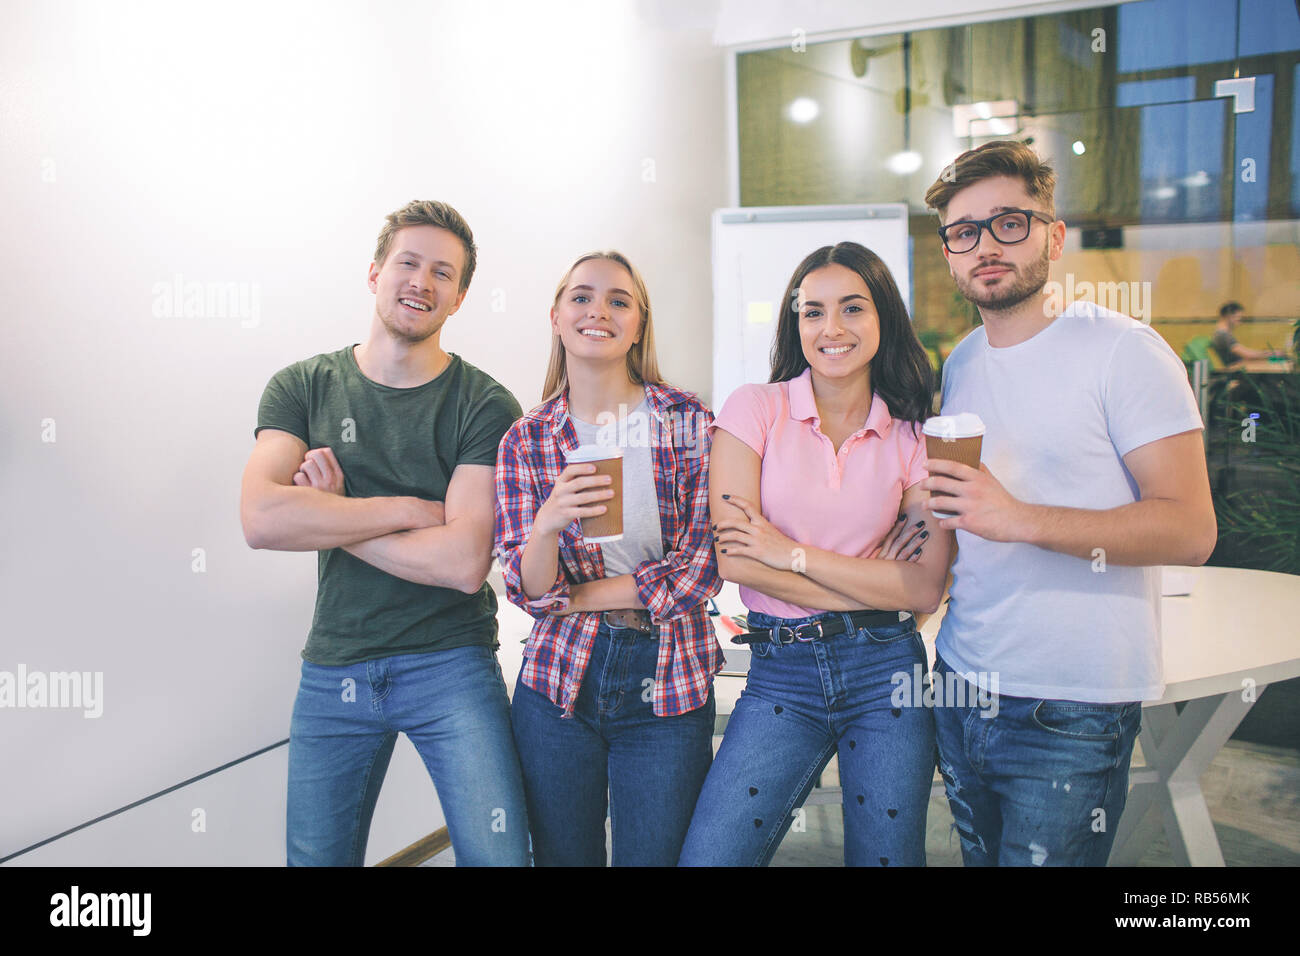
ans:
(585, 453)
(965, 425)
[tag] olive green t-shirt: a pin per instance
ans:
(390, 442)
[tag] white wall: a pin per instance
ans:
(261, 144)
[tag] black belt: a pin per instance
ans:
(815, 630)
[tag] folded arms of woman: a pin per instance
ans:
(753, 552)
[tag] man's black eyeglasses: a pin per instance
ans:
(1006, 228)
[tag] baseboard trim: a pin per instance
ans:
(421, 850)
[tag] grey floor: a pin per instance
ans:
(1252, 791)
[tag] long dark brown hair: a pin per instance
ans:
(900, 369)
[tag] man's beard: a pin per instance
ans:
(410, 336)
(1028, 283)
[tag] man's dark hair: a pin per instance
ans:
(1002, 157)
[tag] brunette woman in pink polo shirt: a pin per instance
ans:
(815, 497)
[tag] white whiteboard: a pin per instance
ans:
(756, 250)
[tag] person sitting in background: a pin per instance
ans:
(1225, 344)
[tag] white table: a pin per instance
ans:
(1236, 633)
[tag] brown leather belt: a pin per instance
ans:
(636, 619)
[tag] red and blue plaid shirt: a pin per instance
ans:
(674, 590)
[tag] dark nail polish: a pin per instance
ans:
(724, 551)
(902, 517)
(925, 534)
(726, 497)
(920, 524)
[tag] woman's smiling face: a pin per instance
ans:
(838, 325)
(597, 315)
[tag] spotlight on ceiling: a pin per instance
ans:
(988, 118)
(804, 110)
(904, 163)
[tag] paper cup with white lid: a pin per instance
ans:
(954, 438)
(608, 461)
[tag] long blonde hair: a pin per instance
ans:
(642, 364)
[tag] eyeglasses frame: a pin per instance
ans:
(986, 225)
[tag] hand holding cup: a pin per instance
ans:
(578, 493)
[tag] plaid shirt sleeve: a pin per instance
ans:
(515, 510)
(688, 576)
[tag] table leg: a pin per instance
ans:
(1137, 824)
(1178, 749)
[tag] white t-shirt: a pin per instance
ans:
(1060, 410)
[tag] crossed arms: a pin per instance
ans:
(1172, 523)
(292, 499)
(759, 556)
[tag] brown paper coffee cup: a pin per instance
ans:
(608, 461)
(954, 438)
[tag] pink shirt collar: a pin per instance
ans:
(804, 408)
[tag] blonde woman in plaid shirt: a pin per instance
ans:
(614, 705)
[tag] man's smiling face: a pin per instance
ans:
(418, 286)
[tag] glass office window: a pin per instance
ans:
(1254, 143)
(1164, 34)
(1122, 99)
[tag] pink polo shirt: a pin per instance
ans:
(844, 502)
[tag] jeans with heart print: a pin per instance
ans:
(802, 704)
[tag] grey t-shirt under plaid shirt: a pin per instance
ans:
(642, 534)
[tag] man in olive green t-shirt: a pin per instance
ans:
(380, 457)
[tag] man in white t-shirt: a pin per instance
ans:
(1092, 475)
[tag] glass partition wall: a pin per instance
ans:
(1167, 180)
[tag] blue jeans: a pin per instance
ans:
(650, 768)
(1032, 782)
(802, 703)
(452, 705)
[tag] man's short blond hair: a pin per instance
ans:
(425, 212)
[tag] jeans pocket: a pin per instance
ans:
(1079, 721)
(889, 633)
(761, 650)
